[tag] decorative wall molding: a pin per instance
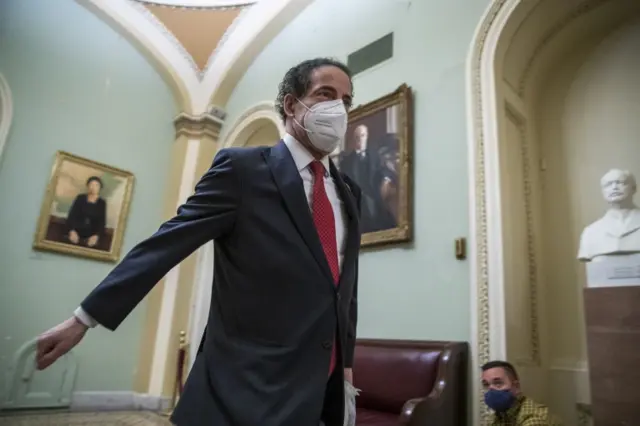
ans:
(248, 122)
(6, 113)
(532, 265)
(117, 401)
(572, 365)
(198, 126)
(480, 83)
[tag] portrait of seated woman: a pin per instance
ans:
(84, 209)
(88, 215)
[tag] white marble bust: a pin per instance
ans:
(618, 231)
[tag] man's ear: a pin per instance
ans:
(288, 104)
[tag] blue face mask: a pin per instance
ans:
(499, 400)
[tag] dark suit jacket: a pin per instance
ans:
(275, 310)
(369, 173)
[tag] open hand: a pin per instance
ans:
(56, 342)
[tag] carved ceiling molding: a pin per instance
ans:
(204, 125)
(153, 19)
(139, 5)
(224, 39)
(581, 10)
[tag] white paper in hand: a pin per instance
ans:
(350, 394)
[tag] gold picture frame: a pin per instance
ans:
(381, 163)
(85, 209)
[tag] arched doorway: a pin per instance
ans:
(549, 82)
(265, 133)
(260, 125)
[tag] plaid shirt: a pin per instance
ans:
(525, 412)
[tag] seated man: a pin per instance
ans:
(510, 406)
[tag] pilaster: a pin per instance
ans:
(168, 304)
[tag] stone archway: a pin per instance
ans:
(517, 50)
(261, 117)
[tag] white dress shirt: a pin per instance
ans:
(303, 160)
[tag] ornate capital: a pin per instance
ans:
(207, 124)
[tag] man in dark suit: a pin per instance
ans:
(364, 165)
(281, 332)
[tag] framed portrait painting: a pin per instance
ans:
(377, 155)
(85, 208)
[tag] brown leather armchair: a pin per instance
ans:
(411, 383)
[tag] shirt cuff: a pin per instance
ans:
(84, 317)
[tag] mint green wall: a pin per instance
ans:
(77, 86)
(420, 292)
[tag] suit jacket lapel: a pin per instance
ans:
(352, 226)
(289, 182)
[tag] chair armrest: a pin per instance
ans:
(425, 411)
(440, 407)
(408, 409)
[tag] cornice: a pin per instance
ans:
(208, 124)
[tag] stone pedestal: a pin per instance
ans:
(612, 314)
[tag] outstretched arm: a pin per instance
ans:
(208, 214)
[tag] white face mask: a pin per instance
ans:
(326, 124)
